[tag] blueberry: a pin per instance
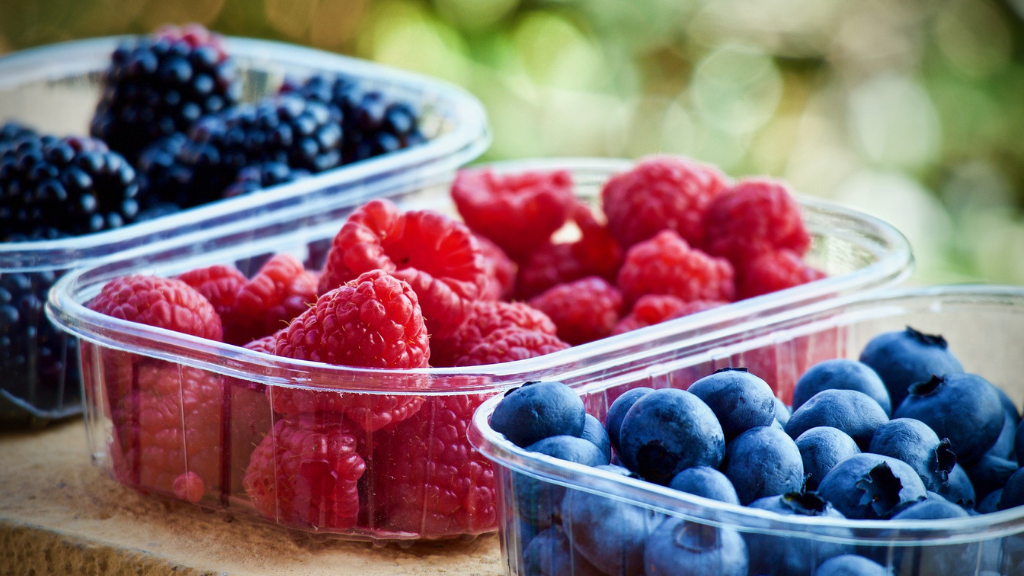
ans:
(1004, 446)
(667, 431)
(913, 442)
(962, 407)
(906, 357)
(949, 560)
(848, 410)
(539, 500)
(850, 565)
(763, 462)
(1018, 443)
(570, 448)
(990, 503)
(706, 482)
(610, 534)
(594, 433)
(739, 399)
(871, 487)
(617, 411)
(958, 489)
(551, 554)
(821, 448)
(782, 413)
(682, 548)
(538, 410)
(841, 374)
(1008, 406)
(990, 474)
(784, 556)
(1013, 491)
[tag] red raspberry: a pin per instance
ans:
(519, 212)
(753, 217)
(660, 193)
(160, 302)
(267, 344)
(304, 474)
(485, 318)
(583, 311)
(168, 427)
(218, 284)
(548, 266)
(509, 345)
(432, 481)
(596, 250)
(773, 271)
(278, 293)
(654, 309)
(433, 253)
(373, 322)
(501, 270)
(666, 264)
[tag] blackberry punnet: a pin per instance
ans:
(71, 185)
(304, 134)
(265, 175)
(373, 124)
(162, 84)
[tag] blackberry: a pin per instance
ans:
(39, 362)
(70, 185)
(264, 175)
(162, 84)
(11, 133)
(372, 124)
(162, 176)
(304, 134)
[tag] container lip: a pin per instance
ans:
(469, 138)
(893, 265)
(498, 449)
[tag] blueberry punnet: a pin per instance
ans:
(871, 487)
(595, 433)
(906, 357)
(538, 410)
(667, 431)
(739, 399)
(775, 555)
(706, 482)
(763, 462)
(851, 565)
(821, 448)
(848, 410)
(841, 374)
(617, 411)
(682, 548)
(610, 534)
(962, 407)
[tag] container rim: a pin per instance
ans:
(498, 449)
(469, 138)
(71, 315)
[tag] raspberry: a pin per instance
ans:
(305, 473)
(374, 322)
(509, 345)
(519, 212)
(583, 311)
(773, 271)
(433, 253)
(501, 270)
(548, 266)
(485, 318)
(278, 293)
(654, 309)
(432, 480)
(160, 302)
(666, 264)
(660, 193)
(168, 426)
(753, 217)
(596, 250)
(251, 417)
(218, 284)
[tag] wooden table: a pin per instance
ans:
(59, 514)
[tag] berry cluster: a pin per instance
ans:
(903, 433)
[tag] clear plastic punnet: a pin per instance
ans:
(417, 478)
(54, 89)
(542, 530)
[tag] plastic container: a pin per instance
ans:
(858, 251)
(55, 90)
(983, 326)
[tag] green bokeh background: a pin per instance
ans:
(912, 110)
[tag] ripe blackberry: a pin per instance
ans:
(261, 176)
(72, 185)
(303, 134)
(162, 176)
(162, 84)
(372, 124)
(11, 133)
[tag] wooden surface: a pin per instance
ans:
(59, 514)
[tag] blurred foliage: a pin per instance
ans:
(910, 110)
